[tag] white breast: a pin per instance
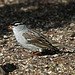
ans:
(19, 37)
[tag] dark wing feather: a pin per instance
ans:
(37, 39)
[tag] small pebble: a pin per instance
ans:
(72, 24)
(5, 36)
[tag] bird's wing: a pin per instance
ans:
(37, 39)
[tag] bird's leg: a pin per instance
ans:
(35, 53)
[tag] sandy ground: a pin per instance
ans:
(57, 23)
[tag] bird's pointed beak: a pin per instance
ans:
(10, 27)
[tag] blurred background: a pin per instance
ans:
(3, 2)
(43, 14)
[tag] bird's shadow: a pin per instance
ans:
(50, 52)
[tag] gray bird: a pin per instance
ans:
(32, 39)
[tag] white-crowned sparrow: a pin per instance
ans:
(32, 39)
(29, 38)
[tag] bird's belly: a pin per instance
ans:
(32, 47)
(25, 44)
(20, 39)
